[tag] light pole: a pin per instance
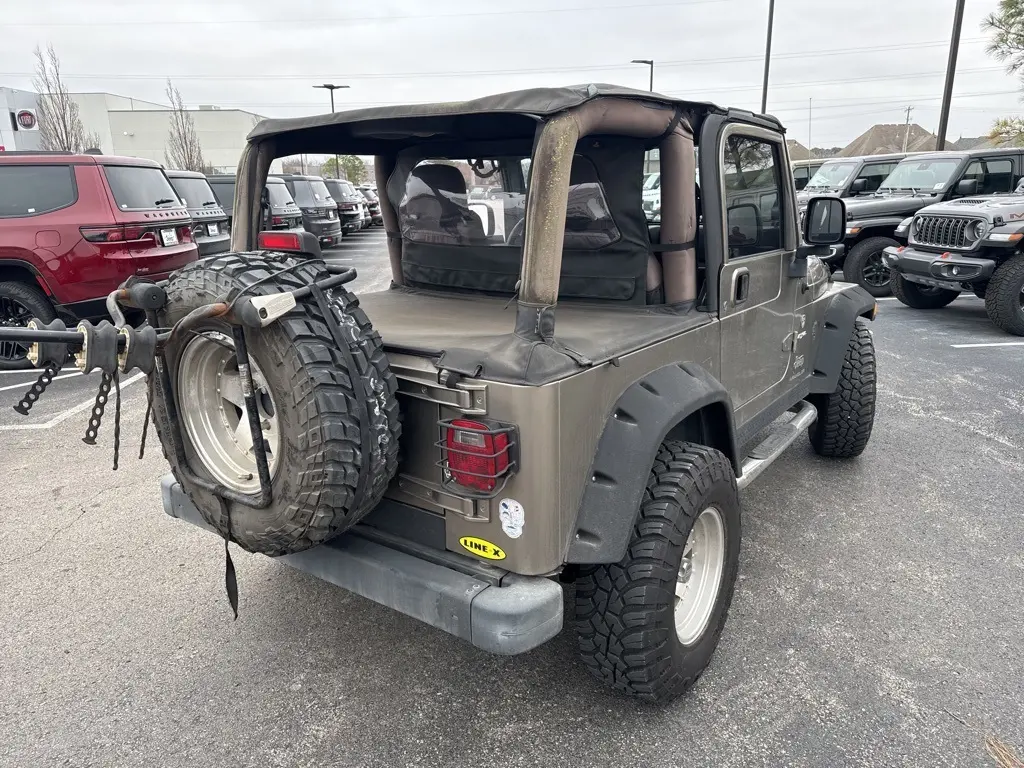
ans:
(768, 56)
(650, 87)
(332, 88)
(947, 91)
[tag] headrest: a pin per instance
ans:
(439, 177)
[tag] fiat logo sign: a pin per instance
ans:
(26, 119)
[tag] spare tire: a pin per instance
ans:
(314, 426)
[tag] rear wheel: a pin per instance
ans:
(19, 303)
(920, 296)
(1004, 299)
(863, 265)
(648, 625)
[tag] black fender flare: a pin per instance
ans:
(643, 416)
(866, 225)
(836, 328)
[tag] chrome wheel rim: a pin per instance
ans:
(700, 576)
(213, 412)
(875, 273)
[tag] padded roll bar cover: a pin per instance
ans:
(383, 167)
(678, 198)
(640, 421)
(842, 312)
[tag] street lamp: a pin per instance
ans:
(649, 63)
(332, 88)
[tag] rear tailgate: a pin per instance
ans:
(158, 223)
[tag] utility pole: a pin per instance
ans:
(768, 56)
(810, 106)
(331, 87)
(947, 91)
(906, 131)
(649, 63)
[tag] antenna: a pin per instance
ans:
(906, 132)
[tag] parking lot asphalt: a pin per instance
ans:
(877, 621)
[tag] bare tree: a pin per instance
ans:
(183, 149)
(60, 123)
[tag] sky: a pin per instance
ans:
(858, 62)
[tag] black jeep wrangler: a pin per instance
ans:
(969, 244)
(918, 181)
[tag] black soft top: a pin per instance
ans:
(504, 115)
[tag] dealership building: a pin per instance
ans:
(131, 127)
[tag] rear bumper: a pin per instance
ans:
(328, 232)
(928, 268)
(208, 246)
(514, 615)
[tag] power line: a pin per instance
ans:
(497, 72)
(321, 20)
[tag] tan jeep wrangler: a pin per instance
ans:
(553, 391)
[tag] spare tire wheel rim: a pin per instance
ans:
(700, 576)
(212, 409)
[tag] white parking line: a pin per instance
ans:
(28, 382)
(992, 344)
(64, 415)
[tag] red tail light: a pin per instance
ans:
(477, 455)
(121, 234)
(185, 234)
(279, 241)
(276, 221)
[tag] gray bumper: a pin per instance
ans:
(517, 616)
(931, 269)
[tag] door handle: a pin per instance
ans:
(740, 285)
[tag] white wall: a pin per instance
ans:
(11, 100)
(94, 109)
(221, 133)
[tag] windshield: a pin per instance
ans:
(137, 187)
(922, 174)
(279, 195)
(195, 193)
(320, 192)
(832, 175)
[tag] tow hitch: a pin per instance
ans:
(116, 348)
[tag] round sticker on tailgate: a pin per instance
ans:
(482, 548)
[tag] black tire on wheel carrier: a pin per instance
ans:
(307, 397)
(846, 416)
(639, 627)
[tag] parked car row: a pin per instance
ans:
(74, 227)
(927, 226)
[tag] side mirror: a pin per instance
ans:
(967, 187)
(743, 222)
(485, 213)
(825, 221)
(858, 186)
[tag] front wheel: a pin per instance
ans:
(846, 416)
(648, 625)
(864, 266)
(1004, 299)
(919, 296)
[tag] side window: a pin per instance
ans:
(29, 190)
(753, 191)
(993, 174)
(801, 176)
(874, 175)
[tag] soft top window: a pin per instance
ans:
(437, 208)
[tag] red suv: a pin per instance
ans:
(73, 227)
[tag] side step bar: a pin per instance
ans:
(783, 434)
(510, 615)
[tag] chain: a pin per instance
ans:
(117, 416)
(37, 389)
(97, 411)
